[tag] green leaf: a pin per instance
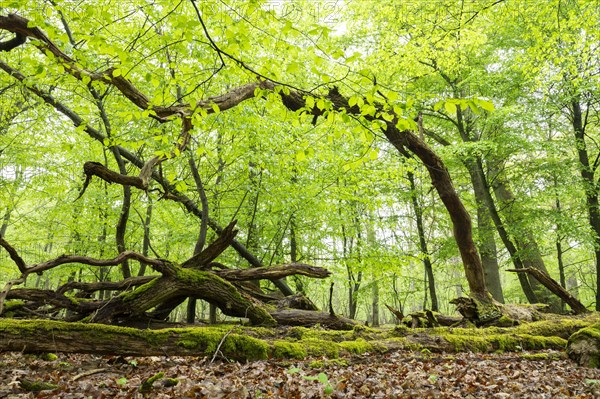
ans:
(486, 105)
(323, 378)
(300, 156)
(450, 108)
(310, 102)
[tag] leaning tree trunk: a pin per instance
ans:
(440, 178)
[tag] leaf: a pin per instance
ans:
(309, 102)
(450, 108)
(300, 156)
(486, 105)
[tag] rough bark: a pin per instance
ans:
(487, 243)
(590, 186)
(555, 288)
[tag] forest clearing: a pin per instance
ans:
(260, 198)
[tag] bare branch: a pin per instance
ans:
(157, 264)
(273, 272)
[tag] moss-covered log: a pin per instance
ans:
(248, 343)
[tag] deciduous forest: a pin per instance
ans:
(287, 198)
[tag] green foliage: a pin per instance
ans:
(506, 71)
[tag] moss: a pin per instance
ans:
(319, 347)
(132, 295)
(396, 343)
(548, 356)
(48, 357)
(320, 364)
(288, 350)
(234, 346)
(36, 386)
(12, 304)
(561, 327)
(359, 346)
(503, 342)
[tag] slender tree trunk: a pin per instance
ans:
(201, 241)
(423, 242)
(146, 239)
(504, 236)
(485, 229)
(5, 220)
(528, 249)
(461, 220)
(589, 185)
(375, 304)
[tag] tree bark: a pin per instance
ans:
(590, 186)
(528, 249)
(554, 287)
(485, 229)
(423, 242)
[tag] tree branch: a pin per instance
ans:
(273, 272)
(14, 255)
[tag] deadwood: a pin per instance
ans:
(273, 272)
(554, 287)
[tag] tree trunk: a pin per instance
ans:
(528, 249)
(485, 229)
(423, 242)
(375, 304)
(589, 186)
(554, 287)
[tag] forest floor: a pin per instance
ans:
(400, 374)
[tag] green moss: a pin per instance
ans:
(503, 342)
(358, 346)
(551, 356)
(48, 357)
(320, 364)
(234, 346)
(12, 304)
(36, 386)
(288, 350)
(319, 347)
(132, 295)
(396, 343)
(561, 327)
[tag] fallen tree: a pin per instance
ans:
(195, 278)
(247, 343)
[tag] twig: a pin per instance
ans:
(220, 344)
(87, 373)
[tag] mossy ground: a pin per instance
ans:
(252, 343)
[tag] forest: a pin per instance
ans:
(296, 194)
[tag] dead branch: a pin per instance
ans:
(554, 287)
(14, 255)
(273, 272)
(105, 285)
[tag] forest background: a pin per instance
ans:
(505, 92)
